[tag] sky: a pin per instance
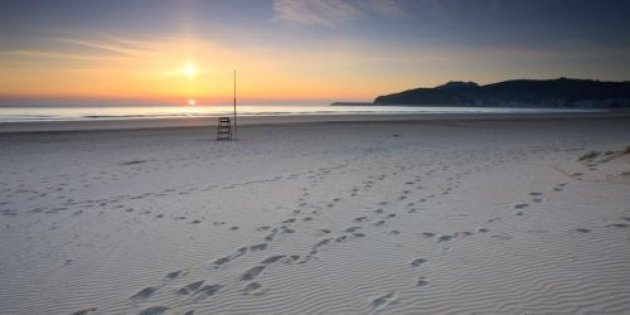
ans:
(297, 51)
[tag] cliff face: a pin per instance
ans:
(548, 93)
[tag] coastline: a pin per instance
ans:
(210, 122)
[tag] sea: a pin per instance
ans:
(91, 113)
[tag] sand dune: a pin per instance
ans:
(411, 217)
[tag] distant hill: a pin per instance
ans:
(561, 92)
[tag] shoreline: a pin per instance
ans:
(210, 122)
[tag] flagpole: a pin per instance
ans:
(235, 126)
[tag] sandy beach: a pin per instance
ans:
(361, 215)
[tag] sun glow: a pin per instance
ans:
(190, 70)
(192, 102)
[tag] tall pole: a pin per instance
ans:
(235, 127)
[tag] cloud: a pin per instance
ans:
(333, 12)
(105, 44)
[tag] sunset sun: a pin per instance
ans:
(192, 102)
(190, 70)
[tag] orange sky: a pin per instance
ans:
(296, 50)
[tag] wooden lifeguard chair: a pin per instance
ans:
(224, 129)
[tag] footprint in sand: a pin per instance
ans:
(258, 247)
(421, 282)
(445, 238)
(502, 237)
(190, 288)
(379, 223)
(462, 234)
(583, 230)
(154, 310)
(417, 262)
(521, 206)
(272, 259)
(321, 243)
(85, 311)
(173, 275)
(382, 301)
(144, 294)
(252, 273)
(207, 291)
(250, 287)
(618, 225)
(287, 230)
(560, 187)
